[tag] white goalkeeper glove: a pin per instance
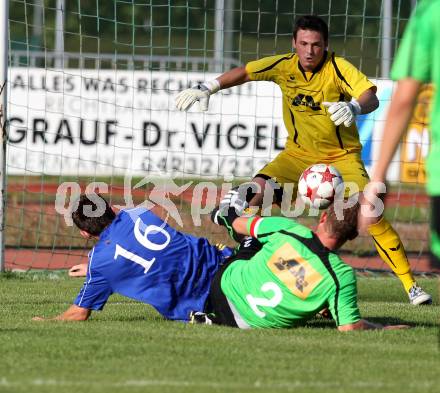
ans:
(343, 112)
(230, 208)
(201, 93)
(235, 199)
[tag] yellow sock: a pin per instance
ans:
(391, 250)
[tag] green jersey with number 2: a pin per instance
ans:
(291, 278)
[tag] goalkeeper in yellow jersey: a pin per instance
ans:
(322, 95)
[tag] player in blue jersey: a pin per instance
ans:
(140, 256)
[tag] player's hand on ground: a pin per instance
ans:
(386, 327)
(343, 112)
(78, 270)
(40, 319)
(199, 93)
(396, 327)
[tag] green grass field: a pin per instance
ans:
(129, 348)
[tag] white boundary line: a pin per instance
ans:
(257, 385)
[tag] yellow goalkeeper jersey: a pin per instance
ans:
(311, 132)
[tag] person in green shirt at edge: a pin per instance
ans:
(417, 62)
(285, 273)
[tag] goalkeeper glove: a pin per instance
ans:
(230, 208)
(201, 93)
(343, 112)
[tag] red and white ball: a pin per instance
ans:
(318, 184)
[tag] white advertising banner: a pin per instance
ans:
(107, 122)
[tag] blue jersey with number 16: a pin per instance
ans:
(143, 258)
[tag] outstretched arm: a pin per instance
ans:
(233, 213)
(73, 313)
(240, 225)
(398, 117)
(363, 324)
(368, 101)
(396, 123)
(236, 76)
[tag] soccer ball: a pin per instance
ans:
(317, 185)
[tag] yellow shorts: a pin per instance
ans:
(286, 168)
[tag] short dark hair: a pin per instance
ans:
(311, 22)
(91, 223)
(346, 228)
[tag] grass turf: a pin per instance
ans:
(129, 348)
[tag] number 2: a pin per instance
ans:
(254, 302)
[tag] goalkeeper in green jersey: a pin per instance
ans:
(289, 274)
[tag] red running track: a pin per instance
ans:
(394, 198)
(25, 259)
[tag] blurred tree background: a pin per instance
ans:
(253, 28)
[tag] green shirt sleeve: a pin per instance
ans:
(343, 305)
(262, 227)
(414, 57)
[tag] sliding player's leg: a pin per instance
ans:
(386, 239)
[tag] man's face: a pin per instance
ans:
(310, 47)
